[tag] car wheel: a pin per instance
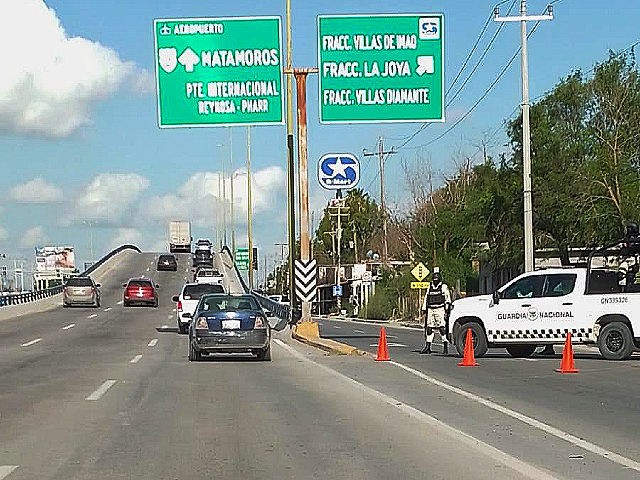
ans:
(479, 339)
(194, 355)
(265, 355)
(521, 351)
(126, 304)
(615, 341)
(65, 305)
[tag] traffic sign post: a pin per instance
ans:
(381, 68)
(242, 258)
(219, 71)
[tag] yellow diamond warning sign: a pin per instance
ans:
(420, 272)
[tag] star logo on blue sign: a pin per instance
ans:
(338, 171)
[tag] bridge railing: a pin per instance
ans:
(26, 297)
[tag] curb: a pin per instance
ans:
(307, 332)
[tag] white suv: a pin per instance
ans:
(188, 299)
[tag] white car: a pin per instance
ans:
(209, 275)
(188, 299)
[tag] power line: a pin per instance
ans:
(473, 49)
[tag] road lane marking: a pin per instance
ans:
(148, 269)
(6, 470)
(358, 331)
(71, 325)
(135, 359)
(390, 344)
(504, 458)
(120, 302)
(107, 309)
(102, 389)
(337, 326)
(169, 317)
(32, 342)
(556, 432)
(153, 343)
(93, 315)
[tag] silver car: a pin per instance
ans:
(81, 291)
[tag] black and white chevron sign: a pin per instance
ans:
(306, 280)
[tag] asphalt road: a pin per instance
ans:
(599, 404)
(114, 396)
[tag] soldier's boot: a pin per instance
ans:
(427, 349)
(445, 348)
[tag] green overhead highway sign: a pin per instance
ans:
(218, 71)
(242, 258)
(381, 68)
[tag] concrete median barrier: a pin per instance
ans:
(307, 332)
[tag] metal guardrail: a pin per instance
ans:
(20, 298)
(283, 312)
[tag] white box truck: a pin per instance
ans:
(179, 236)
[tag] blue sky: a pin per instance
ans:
(142, 175)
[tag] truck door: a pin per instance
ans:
(557, 309)
(511, 315)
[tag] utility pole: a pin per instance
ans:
(382, 158)
(339, 201)
(526, 134)
(291, 188)
(249, 209)
(300, 75)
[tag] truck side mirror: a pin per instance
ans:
(496, 297)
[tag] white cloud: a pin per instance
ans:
(109, 197)
(49, 80)
(33, 237)
(126, 236)
(36, 191)
(199, 199)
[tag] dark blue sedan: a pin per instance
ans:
(227, 323)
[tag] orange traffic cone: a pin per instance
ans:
(567, 365)
(383, 353)
(469, 359)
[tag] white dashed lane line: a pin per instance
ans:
(358, 331)
(135, 359)
(32, 342)
(102, 389)
(107, 309)
(93, 315)
(6, 470)
(390, 344)
(337, 326)
(71, 325)
(153, 343)
(120, 302)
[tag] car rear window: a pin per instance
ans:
(79, 282)
(228, 303)
(194, 292)
(139, 283)
(166, 257)
(205, 273)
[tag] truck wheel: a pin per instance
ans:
(521, 351)
(479, 339)
(615, 341)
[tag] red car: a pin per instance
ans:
(140, 291)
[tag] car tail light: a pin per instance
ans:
(259, 323)
(179, 307)
(201, 323)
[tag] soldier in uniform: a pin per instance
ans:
(435, 308)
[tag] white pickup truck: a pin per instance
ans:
(540, 307)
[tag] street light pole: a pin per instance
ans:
(233, 217)
(249, 209)
(526, 134)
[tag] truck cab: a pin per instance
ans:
(543, 306)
